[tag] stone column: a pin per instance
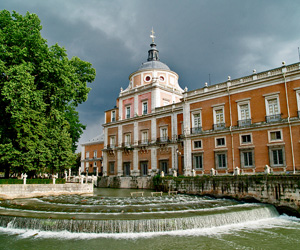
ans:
(104, 163)
(119, 163)
(187, 157)
(136, 171)
(153, 161)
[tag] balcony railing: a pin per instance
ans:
(126, 145)
(273, 118)
(144, 143)
(163, 140)
(196, 130)
(244, 123)
(111, 146)
(219, 126)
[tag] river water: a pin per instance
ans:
(112, 219)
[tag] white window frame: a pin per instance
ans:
(95, 164)
(112, 141)
(298, 99)
(273, 131)
(246, 143)
(87, 155)
(161, 130)
(193, 119)
(241, 103)
(95, 153)
(143, 139)
(271, 156)
(215, 109)
(127, 139)
(197, 147)
(269, 98)
(145, 103)
(113, 116)
(220, 146)
(128, 107)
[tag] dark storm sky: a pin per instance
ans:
(196, 38)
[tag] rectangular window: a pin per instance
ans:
(248, 159)
(112, 167)
(128, 112)
(277, 156)
(273, 107)
(275, 135)
(198, 161)
(164, 166)
(95, 164)
(126, 168)
(113, 116)
(196, 120)
(87, 155)
(244, 111)
(220, 142)
(219, 116)
(221, 160)
(145, 108)
(246, 139)
(127, 140)
(112, 141)
(197, 144)
(144, 137)
(144, 168)
(95, 154)
(164, 134)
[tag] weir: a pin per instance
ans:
(126, 214)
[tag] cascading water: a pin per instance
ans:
(103, 214)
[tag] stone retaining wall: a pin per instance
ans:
(281, 191)
(12, 191)
(125, 182)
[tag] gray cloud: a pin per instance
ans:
(195, 39)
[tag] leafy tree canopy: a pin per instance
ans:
(40, 89)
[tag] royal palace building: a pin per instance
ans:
(241, 126)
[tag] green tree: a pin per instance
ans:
(40, 89)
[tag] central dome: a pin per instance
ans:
(153, 65)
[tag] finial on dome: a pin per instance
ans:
(152, 35)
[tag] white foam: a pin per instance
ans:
(281, 221)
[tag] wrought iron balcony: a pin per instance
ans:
(196, 130)
(111, 146)
(144, 143)
(273, 118)
(219, 126)
(126, 145)
(244, 123)
(163, 140)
